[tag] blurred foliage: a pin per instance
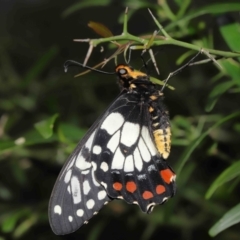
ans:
(45, 112)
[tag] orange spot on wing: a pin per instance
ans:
(146, 195)
(131, 187)
(117, 186)
(160, 189)
(167, 175)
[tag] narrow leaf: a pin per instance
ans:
(212, 9)
(216, 93)
(159, 82)
(227, 175)
(84, 4)
(230, 218)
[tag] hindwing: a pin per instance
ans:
(128, 163)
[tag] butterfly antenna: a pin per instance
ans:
(144, 63)
(70, 63)
(180, 69)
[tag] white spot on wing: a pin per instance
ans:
(112, 123)
(144, 151)
(89, 142)
(69, 189)
(128, 166)
(90, 203)
(81, 162)
(76, 193)
(141, 176)
(138, 160)
(93, 175)
(57, 209)
(104, 166)
(173, 178)
(97, 149)
(68, 176)
(104, 184)
(85, 172)
(86, 187)
(165, 199)
(102, 194)
(80, 212)
(130, 133)
(118, 160)
(148, 141)
(114, 142)
(70, 218)
(152, 168)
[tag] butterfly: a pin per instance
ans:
(122, 156)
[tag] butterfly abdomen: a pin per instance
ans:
(160, 124)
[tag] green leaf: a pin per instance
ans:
(33, 137)
(45, 127)
(216, 93)
(6, 144)
(227, 175)
(10, 221)
(231, 35)
(182, 122)
(26, 225)
(212, 9)
(230, 218)
(70, 132)
(184, 56)
(232, 69)
(160, 82)
(9, 224)
(84, 4)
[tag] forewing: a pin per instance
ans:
(77, 195)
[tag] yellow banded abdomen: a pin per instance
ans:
(162, 138)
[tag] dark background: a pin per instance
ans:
(35, 40)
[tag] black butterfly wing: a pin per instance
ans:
(77, 195)
(116, 159)
(128, 164)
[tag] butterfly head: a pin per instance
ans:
(129, 77)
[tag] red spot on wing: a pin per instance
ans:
(167, 175)
(160, 189)
(117, 186)
(131, 187)
(146, 195)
